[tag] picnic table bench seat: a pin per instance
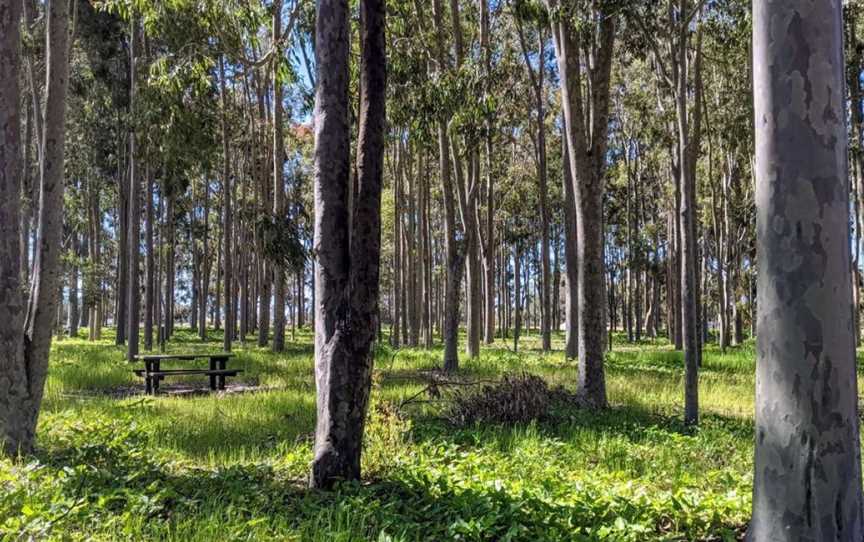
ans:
(153, 373)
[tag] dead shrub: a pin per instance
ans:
(517, 398)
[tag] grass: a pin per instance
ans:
(125, 466)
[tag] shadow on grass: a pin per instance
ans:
(565, 423)
(406, 505)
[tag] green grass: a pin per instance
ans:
(119, 465)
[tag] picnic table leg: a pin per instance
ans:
(212, 377)
(156, 379)
(148, 383)
(221, 363)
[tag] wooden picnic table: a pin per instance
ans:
(153, 373)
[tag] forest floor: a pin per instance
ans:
(116, 464)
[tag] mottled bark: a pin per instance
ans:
(571, 323)
(455, 249)
(347, 244)
(279, 286)
(150, 285)
(13, 367)
(74, 306)
(24, 356)
(807, 483)
(586, 127)
(227, 256)
(687, 212)
(133, 247)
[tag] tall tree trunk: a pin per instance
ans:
(150, 264)
(94, 280)
(133, 248)
(807, 483)
(455, 249)
(587, 164)
(74, 306)
(24, 357)
(395, 339)
(474, 298)
(687, 211)
(279, 285)
(205, 263)
(227, 260)
(571, 348)
(517, 296)
(348, 260)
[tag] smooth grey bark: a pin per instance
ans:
(473, 298)
(227, 260)
(687, 211)
(537, 79)
(455, 247)
(397, 250)
(487, 244)
(150, 285)
(206, 260)
(347, 244)
(26, 341)
(807, 482)
(517, 295)
(93, 283)
(133, 247)
(571, 320)
(74, 306)
(279, 285)
(586, 126)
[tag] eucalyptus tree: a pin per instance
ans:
(347, 234)
(454, 240)
(586, 127)
(279, 285)
(25, 334)
(807, 482)
(133, 248)
(537, 78)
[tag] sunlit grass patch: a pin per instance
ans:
(233, 466)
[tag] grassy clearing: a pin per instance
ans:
(232, 466)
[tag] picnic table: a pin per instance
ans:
(153, 372)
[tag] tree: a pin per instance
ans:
(25, 340)
(347, 244)
(586, 127)
(807, 483)
(228, 267)
(278, 344)
(133, 250)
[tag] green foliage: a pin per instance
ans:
(114, 466)
(281, 239)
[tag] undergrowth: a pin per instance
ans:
(233, 467)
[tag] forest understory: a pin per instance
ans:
(234, 465)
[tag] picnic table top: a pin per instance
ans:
(155, 357)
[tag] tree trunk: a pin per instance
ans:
(455, 248)
(587, 165)
(687, 211)
(133, 248)
(227, 264)
(571, 348)
(74, 306)
(807, 483)
(348, 253)
(150, 264)
(205, 263)
(517, 296)
(279, 285)
(24, 357)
